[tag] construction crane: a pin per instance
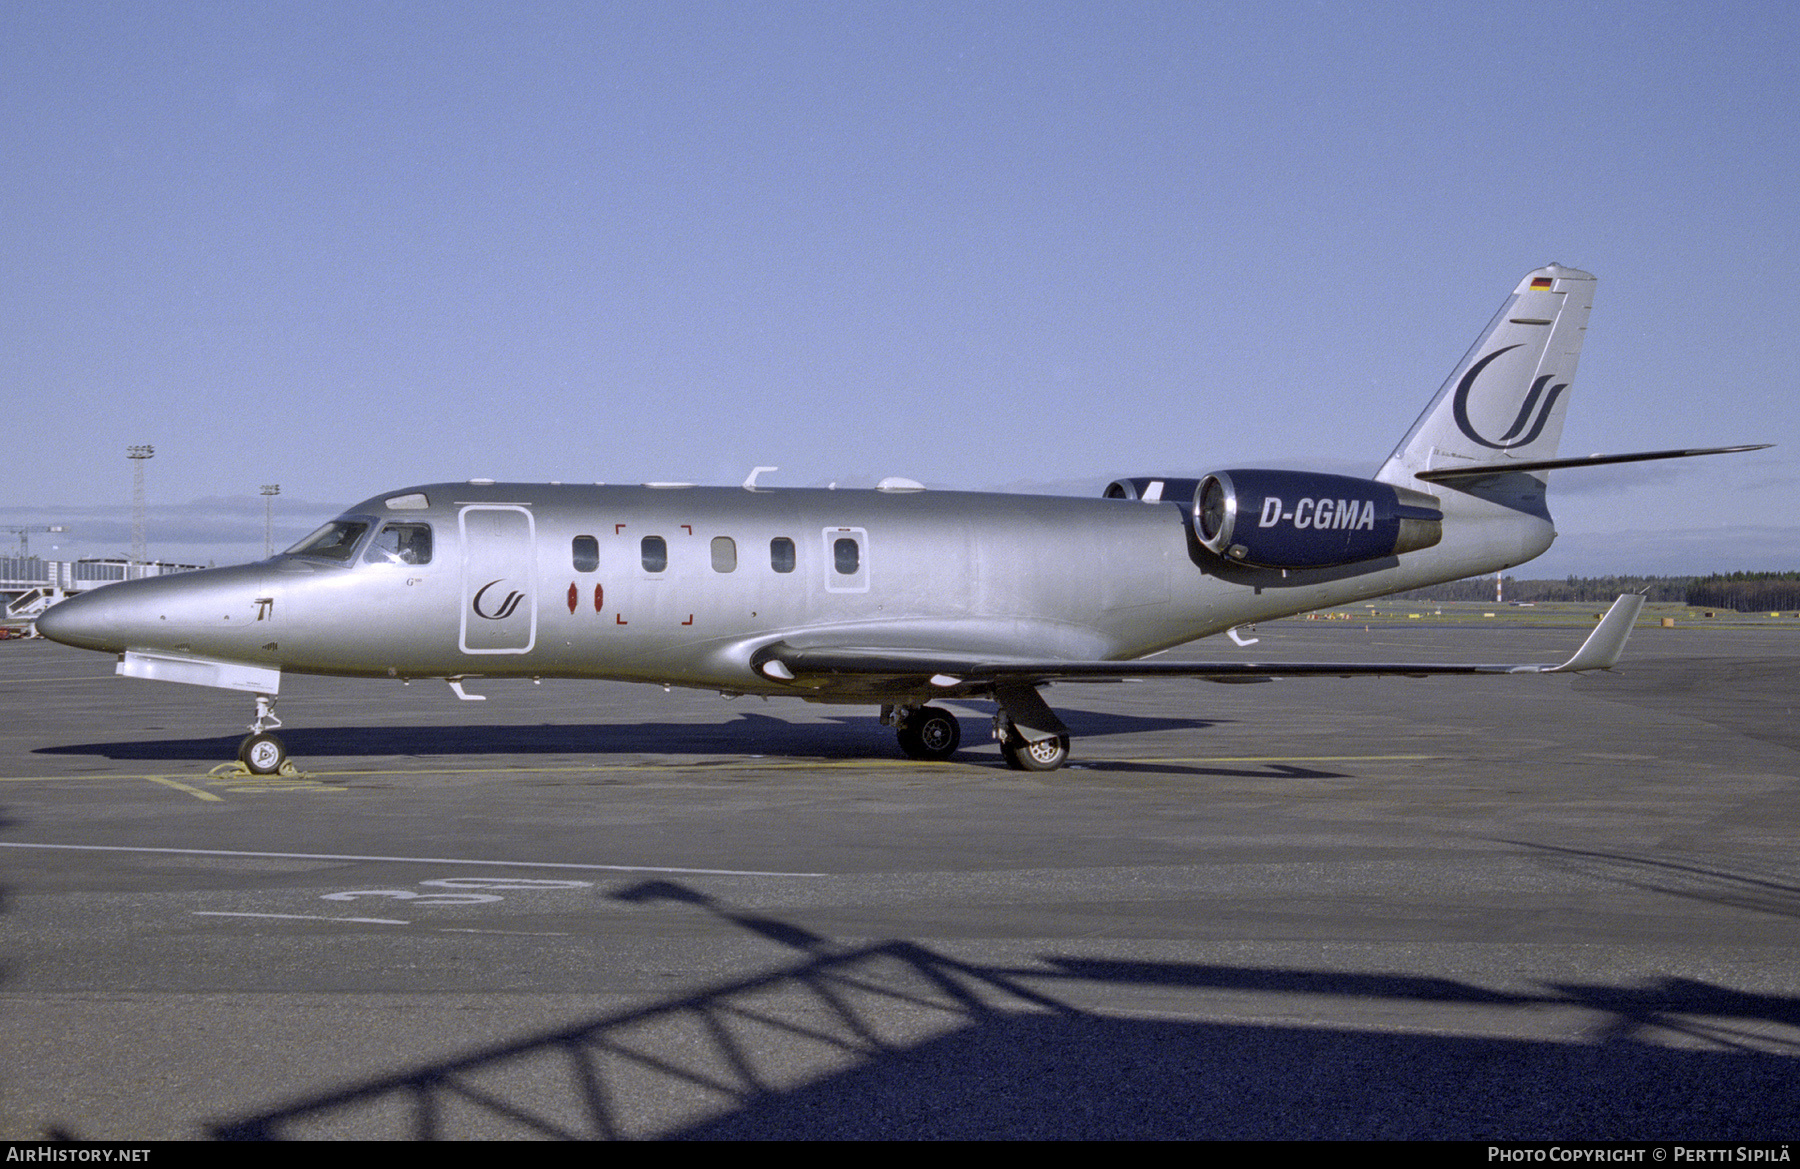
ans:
(24, 534)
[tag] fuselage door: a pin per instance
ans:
(499, 562)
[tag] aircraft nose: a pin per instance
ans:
(81, 621)
(210, 611)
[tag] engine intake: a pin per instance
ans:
(1297, 519)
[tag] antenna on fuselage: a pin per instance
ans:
(750, 483)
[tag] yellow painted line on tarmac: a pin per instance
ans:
(1278, 759)
(256, 787)
(845, 764)
(316, 781)
(312, 778)
(182, 787)
(405, 860)
(713, 765)
(97, 777)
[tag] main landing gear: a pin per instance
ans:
(932, 733)
(926, 732)
(1022, 754)
(261, 752)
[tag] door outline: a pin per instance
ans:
(510, 594)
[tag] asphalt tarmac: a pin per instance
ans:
(1497, 908)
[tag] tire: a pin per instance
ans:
(262, 754)
(1043, 755)
(932, 734)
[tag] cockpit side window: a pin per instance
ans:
(400, 544)
(337, 540)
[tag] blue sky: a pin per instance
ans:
(346, 247)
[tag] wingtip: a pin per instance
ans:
(1603, 647)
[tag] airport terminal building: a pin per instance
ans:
(31, 584)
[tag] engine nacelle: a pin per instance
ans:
(1153, 489)
(1297, 519)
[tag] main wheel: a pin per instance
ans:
(262, 753)
(1043, 755)
(931, 733)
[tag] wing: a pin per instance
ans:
(950, 672)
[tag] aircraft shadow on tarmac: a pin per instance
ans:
(1669, 878)
(896, 1040)
(748, 734)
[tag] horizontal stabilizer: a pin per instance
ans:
(1485, 470)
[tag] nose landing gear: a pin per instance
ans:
(261, 752)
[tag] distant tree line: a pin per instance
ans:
(1746, 592)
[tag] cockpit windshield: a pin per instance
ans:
(401, 544)
(337, 541)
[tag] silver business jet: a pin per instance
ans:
(898, 596)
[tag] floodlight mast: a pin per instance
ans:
(138, 455)
(269, 492)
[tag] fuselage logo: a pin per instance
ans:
(1526, 425)
(507, 606)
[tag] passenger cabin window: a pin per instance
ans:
(781, 554)
(724, 554)
(655, 553)
(400, 544)
(335, 541)
(584, 551)
(845, 556)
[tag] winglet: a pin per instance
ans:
(1603, 646)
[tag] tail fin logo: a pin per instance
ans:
(1526, 426)
(507, 606)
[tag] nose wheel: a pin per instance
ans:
(262, 753)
